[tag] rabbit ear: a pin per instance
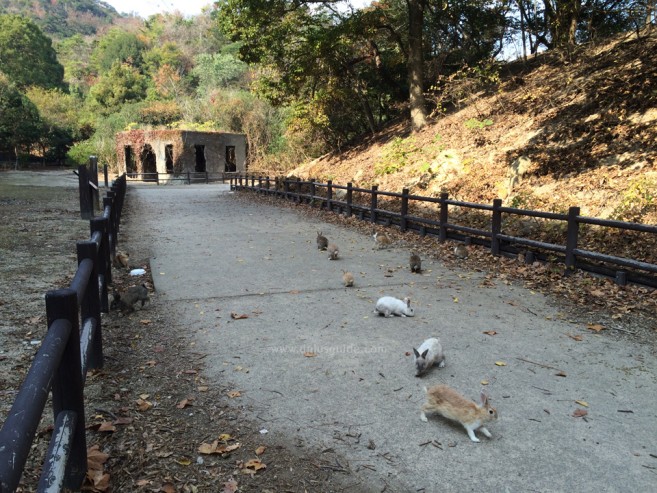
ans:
(424, 354)
(483, 397)
(408, 302)
(417, 355)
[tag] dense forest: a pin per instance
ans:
(298, 77)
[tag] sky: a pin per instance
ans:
(146, 8)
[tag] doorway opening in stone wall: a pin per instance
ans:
(168, 157)
(200, 158)
(149, 163)
(130, 167)
(231, 162)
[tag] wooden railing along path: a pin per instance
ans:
(72, 345)
(340, 198)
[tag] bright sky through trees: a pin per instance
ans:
(145, 8)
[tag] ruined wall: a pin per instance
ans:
(191, 151)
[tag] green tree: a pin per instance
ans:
(75, 55)
(26, 55)
(59, 114)
(218, 71)
(20, 125)
(120, 46)
(120, 85)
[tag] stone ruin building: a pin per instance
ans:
(177, 152)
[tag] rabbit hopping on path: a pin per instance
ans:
(447, 402)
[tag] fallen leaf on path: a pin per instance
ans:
(561, 374)
(260, 450)
(168, 488)
(252, 466)
(143, 405)
(309, 354)
(595, 327)
(230, 486)
(583, 403)
(484, 382)
(145, 322)
(238, 316)
(184, 462)
(107, 426)
(184, 403)
(576, 338)
(216, 448)
(490, 332)
(580, 413)
(500, 363)
(294, 291)
(234, 393)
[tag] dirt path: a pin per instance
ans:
(310, 363)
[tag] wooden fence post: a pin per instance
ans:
(571, 239)
(267, 183)
(286, 188)
(496, 227)
(312, 191)
(329, 195)
(93, 181)
(444, 216)
(373, 203)
(67, 388)
(90, 303)
(104, 261)
(86, 200)
(349, 199)
(403, 222)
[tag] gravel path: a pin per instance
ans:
(314, 366)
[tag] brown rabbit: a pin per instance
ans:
(450, 404)
(415, 263)
(333, 251)
(347, 279)
(381, 240)
(125, 302)
(322, 242)
(121, 260)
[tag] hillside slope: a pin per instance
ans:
(553, 132)
(63, 18)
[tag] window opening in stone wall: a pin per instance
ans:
(200, 158)
(149, 164)
(168, 156)
(129, 160)
(231, 162)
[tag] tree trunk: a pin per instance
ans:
(417, 102)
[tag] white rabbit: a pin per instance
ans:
(389, 306)
(427, 355)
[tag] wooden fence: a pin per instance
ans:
(440, 222)
(71, 346)
(187, 177)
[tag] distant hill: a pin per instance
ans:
(63, 18)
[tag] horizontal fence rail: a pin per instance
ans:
(71, 346)
(186, 178)
(442, 223)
